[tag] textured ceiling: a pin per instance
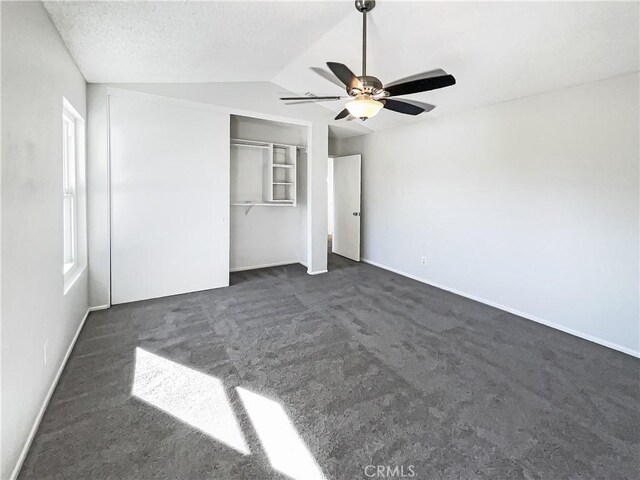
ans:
(140, 41)
(498, 51)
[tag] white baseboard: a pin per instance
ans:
(562, 328)
(45, 403)
(318, 272)
(99, 307)
(266, 265)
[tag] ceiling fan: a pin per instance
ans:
(369, 94)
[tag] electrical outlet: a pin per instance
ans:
(423, 261)
(44, 351)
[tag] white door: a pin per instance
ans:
(169, 198)
(346, 206)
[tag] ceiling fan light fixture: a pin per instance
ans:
(369, 93)
(364, 107)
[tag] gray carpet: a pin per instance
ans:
(370, 367)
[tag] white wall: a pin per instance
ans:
(37, 72)
(303, 209)
(269, 235)
(243, 98)
(530, 204)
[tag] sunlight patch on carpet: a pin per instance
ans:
(285, 449)
(195, 398)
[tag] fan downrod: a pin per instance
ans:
(365, 5)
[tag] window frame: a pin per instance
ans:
(73, 145)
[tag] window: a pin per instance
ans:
(72, 164)
(69, 191)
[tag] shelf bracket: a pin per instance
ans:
(249, 207)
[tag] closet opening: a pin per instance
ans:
(268, 195)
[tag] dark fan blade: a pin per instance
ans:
(402, 107)
(422, 85)
(286, 99)
(345, 75)
(427, 106)
(327, 76)
(407, 106)
(438, 72)
(342, 114)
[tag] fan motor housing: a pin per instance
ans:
(368, 85)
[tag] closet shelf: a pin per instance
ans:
(278, 177)
(275, 203)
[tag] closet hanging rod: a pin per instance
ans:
(258, 143)
(235, 144)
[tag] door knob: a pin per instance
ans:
(356, 214)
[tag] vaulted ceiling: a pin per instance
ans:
(498, 51)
